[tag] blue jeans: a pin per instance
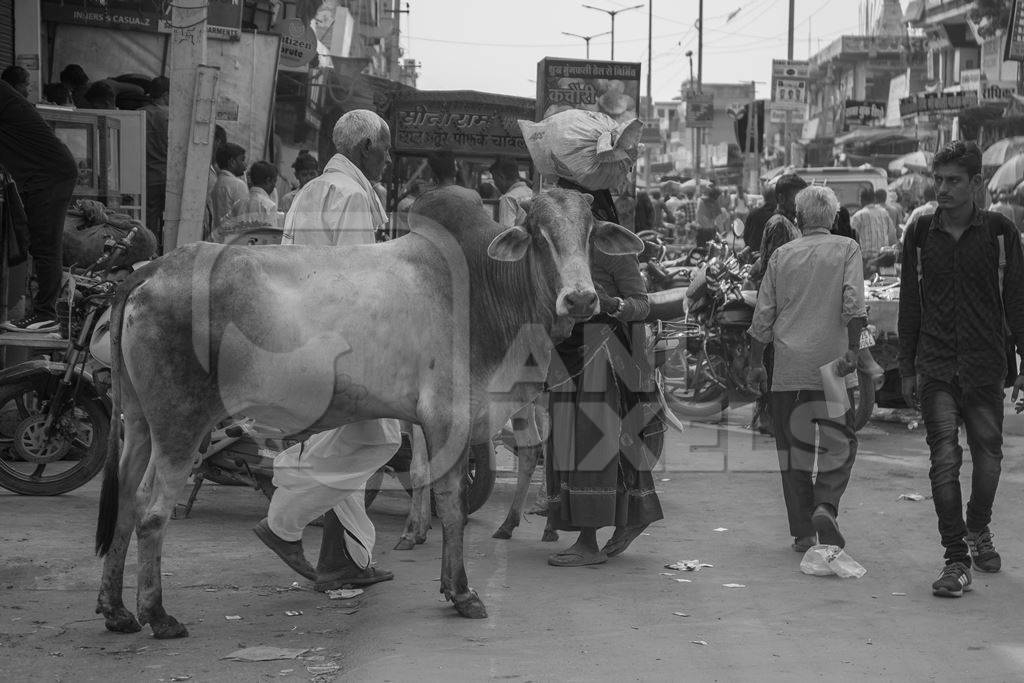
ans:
(944, 407)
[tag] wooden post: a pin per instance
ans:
(188, 52)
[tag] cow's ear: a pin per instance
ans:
(510, 245)
(589, 198)
(615, 240)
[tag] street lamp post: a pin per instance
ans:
(612, 13)
(586, 39)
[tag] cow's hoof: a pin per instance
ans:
(168, 627)
(420, 540)
(470, 605)
(549, 536)
(120, 620)
(405, 544)
(502, 533)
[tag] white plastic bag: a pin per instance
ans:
(825, 560)
(586, 147)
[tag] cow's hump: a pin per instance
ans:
(456, 208)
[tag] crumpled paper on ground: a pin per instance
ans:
(825, 560)
(265, 653)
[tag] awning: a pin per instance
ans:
(914, 11)
(875, 135)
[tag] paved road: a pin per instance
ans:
(613, 622)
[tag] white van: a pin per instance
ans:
(847, 183)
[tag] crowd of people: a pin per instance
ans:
(961, 307)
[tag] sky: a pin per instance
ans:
(494, 46)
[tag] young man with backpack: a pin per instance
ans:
(961, 299)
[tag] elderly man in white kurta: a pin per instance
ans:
(329, 470)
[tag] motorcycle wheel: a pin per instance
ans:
(864, 400)
(58, 465)
(693, 384)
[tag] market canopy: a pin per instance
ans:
(915, 161)
(1009, 175)
(911, 186)
(1001, 151)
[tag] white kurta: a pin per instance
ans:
(339, 208)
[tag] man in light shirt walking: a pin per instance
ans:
(329, 470)
(811, 307)
(874, 226)
(513, 188)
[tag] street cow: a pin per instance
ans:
(450, 327)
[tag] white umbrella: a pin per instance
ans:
(998, 153)
(1009, 175)
(915, 161)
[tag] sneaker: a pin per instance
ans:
(36, 322)
(954, 579)
(983, 553)
(825, 524)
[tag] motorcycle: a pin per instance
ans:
(55, 412)
(707, 368)
(710, 363)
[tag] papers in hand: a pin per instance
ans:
(837, 401)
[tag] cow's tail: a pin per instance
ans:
(110, 492)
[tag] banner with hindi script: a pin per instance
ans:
(611, 88)
(466, 123)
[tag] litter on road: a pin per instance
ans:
(293, 613)
(322, 669)
(899, 594)
(734, 585)
(684, 581)
(826, 560)
(232, 617)
(688, 566)
(265, 653)
(681, 614)
(699, 642)
(911, 496)
(721, 528)
(344, 593)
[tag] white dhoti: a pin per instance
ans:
(329, 470)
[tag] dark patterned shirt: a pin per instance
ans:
(951, 325)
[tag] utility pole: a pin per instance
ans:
(586, 39)
(792, 4)
(787, 133)
(611, 13)
(699, 132)
(650, 98)
(395, 50)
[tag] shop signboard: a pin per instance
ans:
(136, 15)
(224, 17)
(857, 113)
(778, 114)
(928, 103)
(789, 84)
(651, 133)
(611, 88)
(1015, 34)
(700, 110)
(298, 42)
(473, 125)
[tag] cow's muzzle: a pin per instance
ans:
(578, 303)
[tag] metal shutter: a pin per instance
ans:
(6, 33)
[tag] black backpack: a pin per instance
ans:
(918, 234)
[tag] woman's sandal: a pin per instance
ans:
(573, 558)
